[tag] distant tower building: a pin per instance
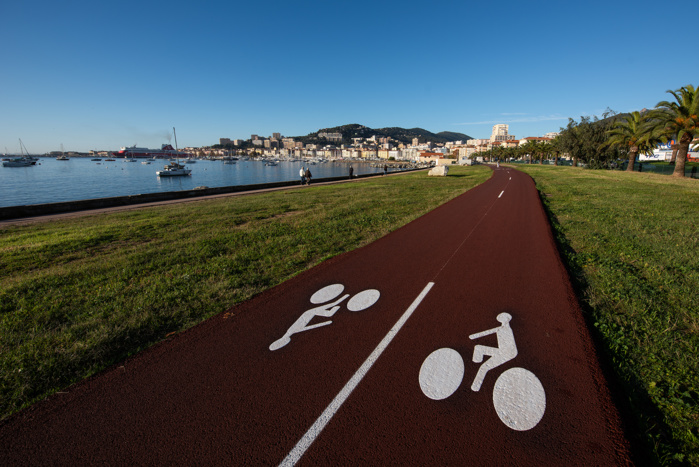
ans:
(416, 141)
(277, 135)
(500, 133)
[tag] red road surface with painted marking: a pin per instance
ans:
(334, 367)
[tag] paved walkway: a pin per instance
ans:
(455, 340)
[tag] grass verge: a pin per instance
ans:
(79, 295)
(630, 241)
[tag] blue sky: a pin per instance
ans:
(101, 75)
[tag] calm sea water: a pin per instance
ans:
(52, 181)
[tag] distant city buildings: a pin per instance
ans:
(333, 137)
(373, 147)
(536, 139)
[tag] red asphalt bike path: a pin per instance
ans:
(349, 391)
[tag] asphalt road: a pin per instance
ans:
(378, 356)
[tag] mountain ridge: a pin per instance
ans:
(403, 135)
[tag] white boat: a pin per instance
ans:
(63, 156)
(25, 160)
(174, 169)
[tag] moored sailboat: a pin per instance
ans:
(25, 160)
(174, 169)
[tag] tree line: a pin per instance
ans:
(599, 143)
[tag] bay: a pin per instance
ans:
(51, 181)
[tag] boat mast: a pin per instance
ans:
(177, 151)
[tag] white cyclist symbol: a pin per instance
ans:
(359, 302)
(518, 395)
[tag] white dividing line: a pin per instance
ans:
(503, 191)
(305, 442)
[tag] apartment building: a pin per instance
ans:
(501, 133)
(335, 137)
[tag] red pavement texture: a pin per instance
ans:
(217, 394)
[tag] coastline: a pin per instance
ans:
(13, 214)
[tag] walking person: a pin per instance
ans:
(308, 176)
(302, 173)
(351, 171)
(385, 169)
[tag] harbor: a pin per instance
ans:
(80, 178)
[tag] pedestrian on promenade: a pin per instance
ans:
(302, 173)
(308, 176)
(351, 172)
(385, 169)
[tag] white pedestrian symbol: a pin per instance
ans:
(518, 396)
(360, 301)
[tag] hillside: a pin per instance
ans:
(402, 135)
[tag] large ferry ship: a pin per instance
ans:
(166, 151)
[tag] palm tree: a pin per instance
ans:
(545, 150)
(509, 153)
(531, 148)
(673, 158)
(556, 148)
(630, 132)
(678, 120)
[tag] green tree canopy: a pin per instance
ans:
(586, 140)
(677, 120)
(631, 136)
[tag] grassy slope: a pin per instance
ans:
(631, 242)
(79, 295)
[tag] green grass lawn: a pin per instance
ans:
(79, 295)
(631, 243)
